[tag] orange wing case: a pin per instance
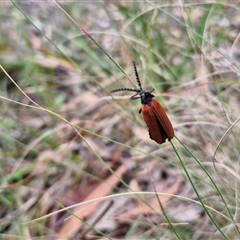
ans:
(158, 123)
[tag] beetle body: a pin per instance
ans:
(158, 123)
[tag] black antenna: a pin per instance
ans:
(130, 89)
(125, 89)
(140, 93)
(137, 77)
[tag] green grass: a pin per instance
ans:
(78, 136)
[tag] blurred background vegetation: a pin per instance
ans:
(187, 51)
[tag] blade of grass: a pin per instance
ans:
(195, 33)
(93, 40)
(164, 212)
(195, 189)
(73, 62)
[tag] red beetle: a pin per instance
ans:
(158, 123)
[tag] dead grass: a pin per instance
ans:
(104, 148)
